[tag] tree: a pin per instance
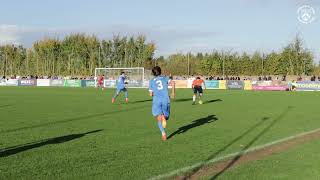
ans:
(78, 54)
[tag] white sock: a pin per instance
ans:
(194, 98)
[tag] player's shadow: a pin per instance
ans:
(190, 99)
(4, 106)
(141, 101)
(212, 101)
(193, 124)
(183, 100)
(57, 140)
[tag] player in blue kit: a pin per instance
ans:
(121, 86)
(158, 88)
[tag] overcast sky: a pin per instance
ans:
(174, 25)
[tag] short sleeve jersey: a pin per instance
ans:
(159, 87)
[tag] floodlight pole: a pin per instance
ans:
(99, 55)
(188, 64)
(262, 64)
(223, 58)
(1, 58)
(5, 64)
(304, 62)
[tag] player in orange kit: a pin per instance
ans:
(197, 89)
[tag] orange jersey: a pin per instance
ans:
(197, 82)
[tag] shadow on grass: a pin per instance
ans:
(248, 145)
(195, 123)
(182, 100)
(212, 101)
(190, 99)
(141, 101)
(72, 119)
(57, 140)
(5, 105)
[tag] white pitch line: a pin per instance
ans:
(202, 163)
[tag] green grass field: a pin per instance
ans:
(76, 133)
(297, 163)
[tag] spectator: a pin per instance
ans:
(284, 78)
(299, 78)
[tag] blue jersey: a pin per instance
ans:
(159, 87)
(121, 83)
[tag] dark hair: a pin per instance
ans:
(156, 71)
(198, 77)
(122, 72)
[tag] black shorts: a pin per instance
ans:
(197, 89)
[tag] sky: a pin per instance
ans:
(173, 25)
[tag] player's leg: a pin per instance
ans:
(160, 125)
(200, 95)
(166, 110)
(125, 90)
(156, 111)
(194, 96)
(116, 95)
(102, 86)
(165, 113)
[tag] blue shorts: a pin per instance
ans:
(119, 90)
(161, 107)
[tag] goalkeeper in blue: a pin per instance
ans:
(158, 88)
(121, 86)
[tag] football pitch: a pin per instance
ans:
(77, 133)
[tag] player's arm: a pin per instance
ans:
(150, 88)
(150, 93)
(125, 80)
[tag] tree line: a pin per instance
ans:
(75, 55)
(80, 54)
(291, 60)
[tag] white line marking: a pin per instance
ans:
(202, 163)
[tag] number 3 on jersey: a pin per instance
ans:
(159, 85)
